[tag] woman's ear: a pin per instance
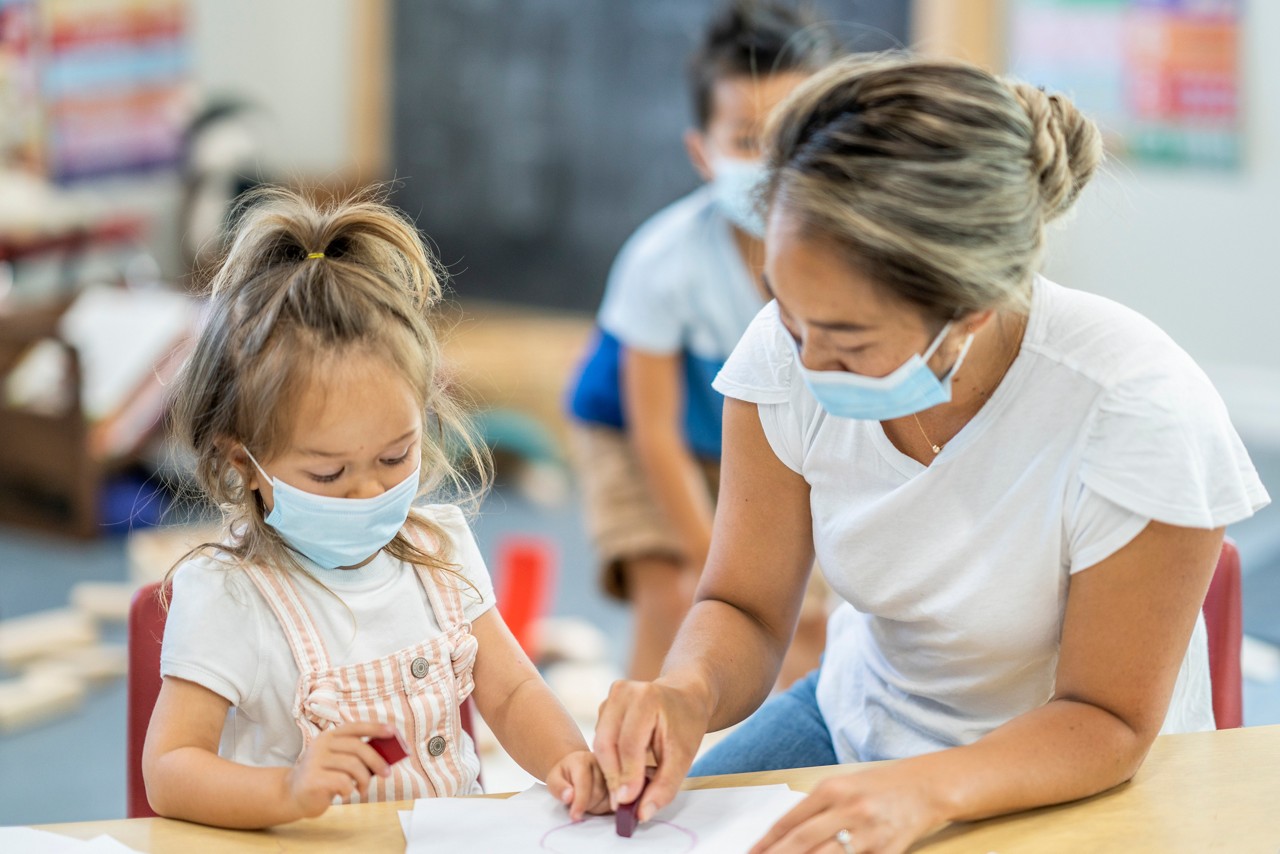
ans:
(695, 143)
(235, 454)
(972, 323)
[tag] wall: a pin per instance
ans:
(293, 57)
(1195, 250)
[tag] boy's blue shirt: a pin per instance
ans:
(678, 286)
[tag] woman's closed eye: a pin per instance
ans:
(326, 478)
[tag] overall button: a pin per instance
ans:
(419, 667)
(436, 746)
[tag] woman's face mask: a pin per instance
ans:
(911, 388)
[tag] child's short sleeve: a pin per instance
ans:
(479, 597)
(645, 304)
(212, 635)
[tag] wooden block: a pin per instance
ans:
(98, 665)
(104, 600)
(153, 552)
(25, 638)
(34, 699)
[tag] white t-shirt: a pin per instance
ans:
(955, 574)
(221, 633)
(680, 284)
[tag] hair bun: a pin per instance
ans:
(1066, 147)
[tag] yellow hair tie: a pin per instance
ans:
(315, 255)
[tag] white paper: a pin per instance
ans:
(27, 840)
(709, 820)
(406, 818)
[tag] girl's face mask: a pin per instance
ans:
(335, 532)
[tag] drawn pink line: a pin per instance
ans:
(693, 837)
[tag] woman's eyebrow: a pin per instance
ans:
(832, 326)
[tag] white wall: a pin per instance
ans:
(294, 58)
(1196, 251)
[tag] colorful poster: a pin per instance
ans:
(1161, 77)
(113, 81)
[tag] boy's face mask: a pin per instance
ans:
(334, 532)
(735, 186)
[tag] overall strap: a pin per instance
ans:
(299, 628)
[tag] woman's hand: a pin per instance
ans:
(884, 810)
(337, 763)
(577, 782)
(636, 719)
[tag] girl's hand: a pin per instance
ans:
(578, 783)
(337, 763)
(883, 809)
(642, 717)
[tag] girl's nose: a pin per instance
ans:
(367, 487)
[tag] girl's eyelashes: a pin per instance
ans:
(397, 461)
(326, 478)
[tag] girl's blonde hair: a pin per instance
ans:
(934, 177)
(302, 285)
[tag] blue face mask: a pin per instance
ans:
(333, 532)
(912, 388)
(736, 186)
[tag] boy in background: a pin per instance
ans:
(680, 294)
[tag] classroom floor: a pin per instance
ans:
(72, 768)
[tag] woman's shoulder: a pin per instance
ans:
(760, 368)
(1107, 343)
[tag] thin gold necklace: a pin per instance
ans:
(937, 449)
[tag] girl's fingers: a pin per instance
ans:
(360, 749)
(359, 729)
(350, 765)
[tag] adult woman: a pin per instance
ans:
(959, 440)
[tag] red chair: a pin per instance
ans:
(146, 630)
(1224, 620)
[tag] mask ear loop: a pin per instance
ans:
(260, 469)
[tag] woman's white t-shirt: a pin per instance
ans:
(955, 575)
(221, 634)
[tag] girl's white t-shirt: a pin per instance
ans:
(221, 634)
(955, 575)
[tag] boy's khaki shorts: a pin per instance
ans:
(625, 522)
(623, 519)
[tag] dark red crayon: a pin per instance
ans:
(391, 748)
(626, 817)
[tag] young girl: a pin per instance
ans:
(334, 611)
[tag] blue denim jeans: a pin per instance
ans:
(786, 732)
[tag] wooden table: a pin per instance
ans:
(1198, 792)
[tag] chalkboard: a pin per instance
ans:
(531, 137)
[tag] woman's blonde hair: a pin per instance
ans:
(934, 177)
(302, 285)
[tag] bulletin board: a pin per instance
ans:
(102, 85)
(1161, 77)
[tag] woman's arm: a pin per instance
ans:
(187, 779)
(653, 399)
(726, 658)
(1126, 629)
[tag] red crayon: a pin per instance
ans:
(391, 748)
(626, 817)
